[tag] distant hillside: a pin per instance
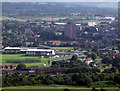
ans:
(99, 4)
(23, 10)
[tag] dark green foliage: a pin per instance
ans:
(116, 62)
(91, 29)
(82, 69)
(102, 89)
(74, 79)
(74, 58)
(20, 66)
(93, 55)
(66, 89)
(94, 89)
(107, 60)
(55, 64)
(117, 78)
(112, 70)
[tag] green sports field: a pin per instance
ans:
(54, 88)
(28, 60)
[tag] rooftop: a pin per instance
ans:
(39, 50)
(12, 48)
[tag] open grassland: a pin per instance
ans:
(104, 84)
(86, 21)
(46, 18)
(27, 60)
(64, 48)
(54, 88)
(12, 19)
(52, 19)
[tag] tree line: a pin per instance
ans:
(73, 79)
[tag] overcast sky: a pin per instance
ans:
(59, 0)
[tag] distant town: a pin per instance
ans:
(76, 47)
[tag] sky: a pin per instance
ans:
(60, 0)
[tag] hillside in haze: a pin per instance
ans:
(23, 10)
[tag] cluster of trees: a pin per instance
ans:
(114, 61)
(73, 62)
(93, 47)
(74, 79)
(93, 55)
(75, 66)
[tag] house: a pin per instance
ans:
(11, 72)
(7, 66)
(48, 70)
(112, 55)
(74, 42)
(28, 43)
(88, 61)
(54, 42)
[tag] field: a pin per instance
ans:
(54, 88)
(27, 60)
(12, 19)
(86, 21)
(64, 48)
(52, 19)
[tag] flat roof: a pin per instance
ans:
(39, 50)
(59, 23)
(12, 48)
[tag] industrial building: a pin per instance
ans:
(41, 51)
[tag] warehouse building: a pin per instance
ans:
(40, 52)
(12, 49)
(46, 52)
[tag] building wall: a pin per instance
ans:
(39, 53)
(70, 31)
(12, 50)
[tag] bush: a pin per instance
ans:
(94, 89)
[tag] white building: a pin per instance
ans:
(92, 23)
(12, 49)
(112, 18)
(40, 52)
(31, 51)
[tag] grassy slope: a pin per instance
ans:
(54, 88)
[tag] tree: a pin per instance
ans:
(11, 66)
(48, 61)
(66, 89)
(93, 55)
(74, 57)
(6, 66)
(117, 78)
(107, 60)
(55, 64)
(94, 89)
(86, 53)
(102, 89)
(113, 69)
(20, 66)
(116, 62)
